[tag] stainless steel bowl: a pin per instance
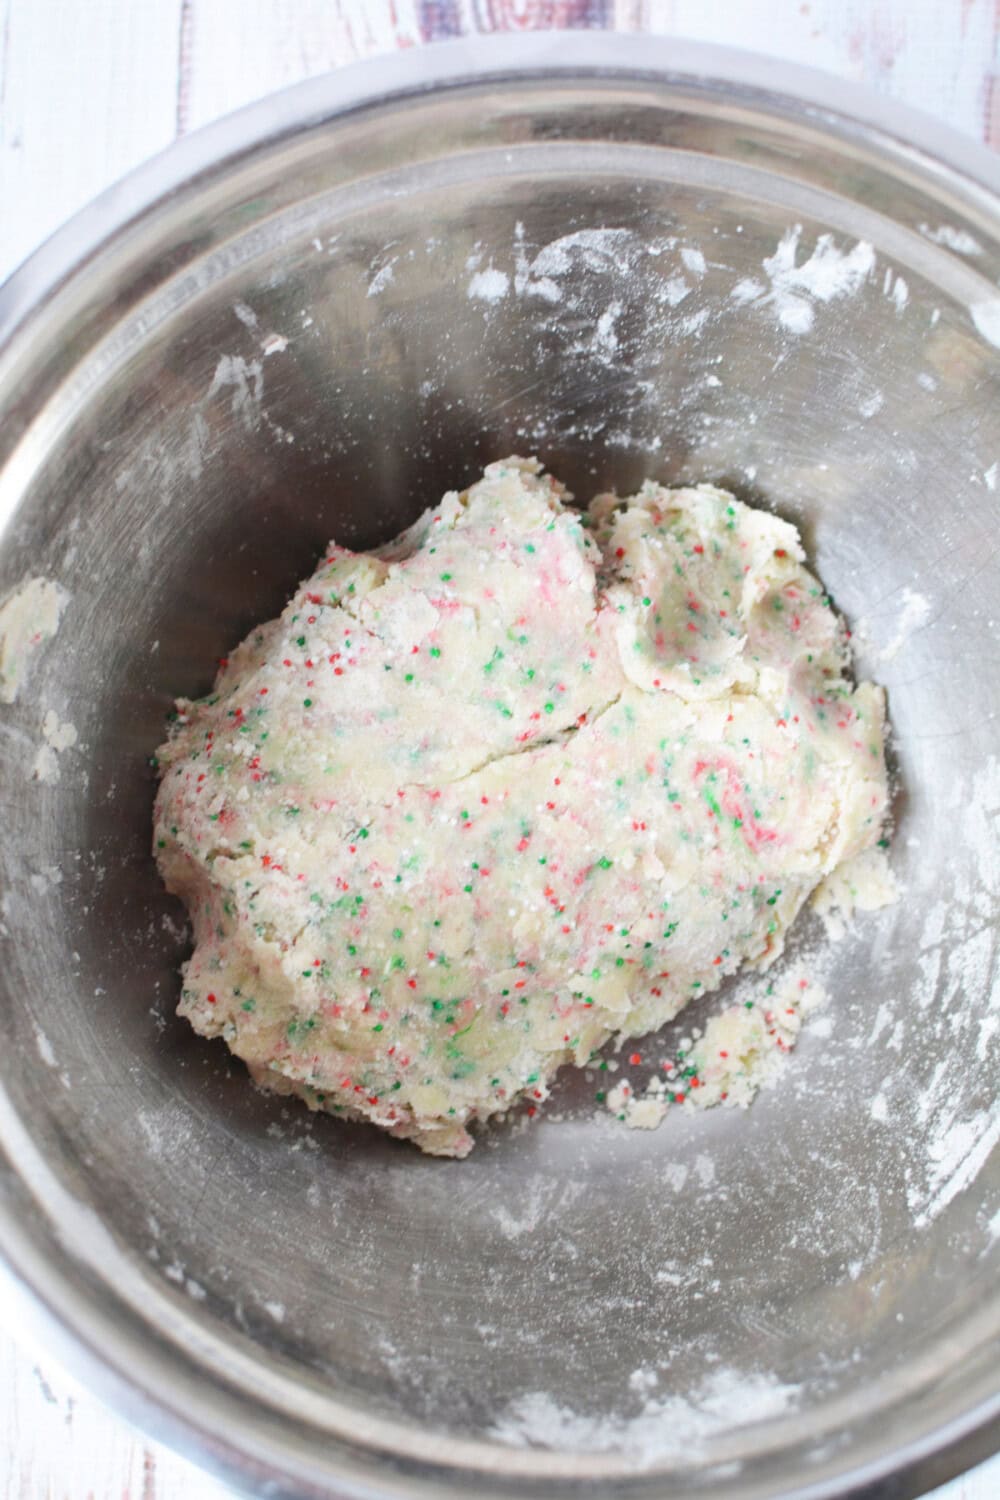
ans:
(307, 321)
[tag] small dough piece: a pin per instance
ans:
(520, 782)
(28, 618)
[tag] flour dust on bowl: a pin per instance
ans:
(640, 261)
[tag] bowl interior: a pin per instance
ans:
(629, 280)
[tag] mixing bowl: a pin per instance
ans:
(633, 258)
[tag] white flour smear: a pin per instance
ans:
(950, 238)
(244, 379)
(793, 289)
(56, 737)
(914, 613)
(962, 1011)
(986, 316)
(725, 1400)
(489, 285)
(956, 1155)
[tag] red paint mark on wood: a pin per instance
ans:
(967, 7)
(991, 112)
(403, 39)
(991, 90)
(148, 1475)
(632, 15)
(875, 44)
(185, 40)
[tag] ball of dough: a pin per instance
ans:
(524, 780)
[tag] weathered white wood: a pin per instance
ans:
(59, 1443)
(937, 55)
(237, 50)
(89, 88)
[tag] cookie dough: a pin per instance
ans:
(524, 780)
(741, 1050)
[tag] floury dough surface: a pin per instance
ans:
(523, 780)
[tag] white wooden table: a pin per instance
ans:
(89, 88)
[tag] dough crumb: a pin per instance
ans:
(742, 1050)
(864, 883)
(28, 619)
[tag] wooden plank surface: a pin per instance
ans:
(88, 88)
